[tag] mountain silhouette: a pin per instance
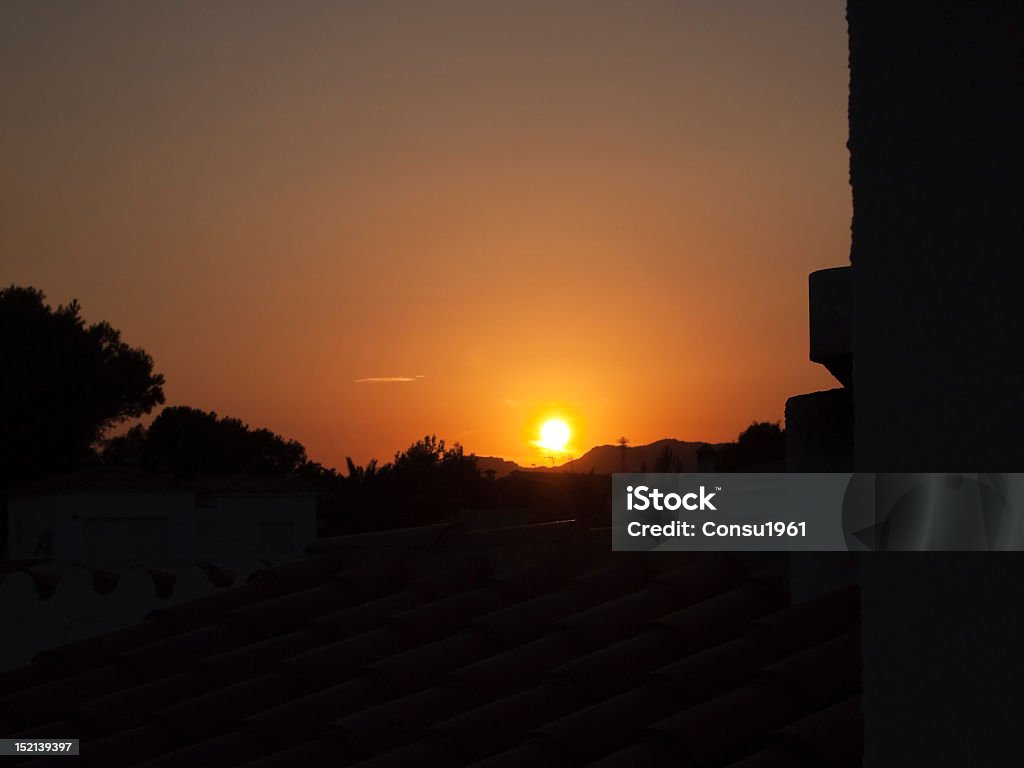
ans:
(607, 459)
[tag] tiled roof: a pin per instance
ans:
(530, 645)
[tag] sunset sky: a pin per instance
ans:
(357, 223)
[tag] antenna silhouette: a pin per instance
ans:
(623, 445)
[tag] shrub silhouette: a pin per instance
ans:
(189, 441)
(761, 443)
(426, 482)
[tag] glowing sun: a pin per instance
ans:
(554, 434)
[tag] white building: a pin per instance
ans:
(114, 518)
(153, 541)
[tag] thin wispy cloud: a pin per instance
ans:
(389, 379)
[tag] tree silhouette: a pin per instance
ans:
(188, 441)
(623, 443)
(360, 476)
(427, 481)
(355, 494)
(63, 384)
(760, 443)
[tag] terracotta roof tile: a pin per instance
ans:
(282, 614)
(725, 615)
(628, 609)
(729, 725)
(815, 620)
(716, 670)
(706, 574)
(822, 674)
(832, 735)
(769, 638)
(535, 754)
(304, 574)
(213, 712)
(214, 607)
(433, 752)
(397, 722)
(245, 661)
(528, 620)
(498, 725)
(178, 652)
(100, 649)
(231, 748)
(43, 703)
(135, 706)
(589, 732)
(830, 738)
(309, 753)
(365, 616)
(303, 717)
(377, 579)
(777, 756)
(27, 676)
(120, 750)
(442, 617)
(460, 576)
(336, 662)
(527, 645)
(612, 669)
(427, 664)
(617, 619)
(46, 730)
(536, 580)
(614, 578)
(518, 668)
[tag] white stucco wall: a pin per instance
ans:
(160, 529)
(102, 528)
(126, 534)
(254, 526)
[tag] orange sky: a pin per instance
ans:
(604, 210)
